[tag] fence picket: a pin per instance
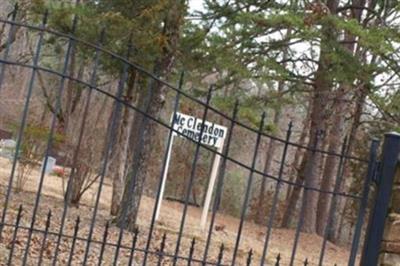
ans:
(161, 253)
(76, 229)
(14, 237)
(46, 231)
(133, 246)
(103, 245)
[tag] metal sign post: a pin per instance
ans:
(213, 135)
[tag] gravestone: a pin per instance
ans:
(51, 163)
(8, 143)
(7, 147)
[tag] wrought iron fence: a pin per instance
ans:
(33, 234)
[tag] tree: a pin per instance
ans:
(143, 20)
(255, 33)
(152, 102)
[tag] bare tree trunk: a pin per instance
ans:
(144, 130)
(311, 169)
(311, 174)
(118, 174)
(362, 94)
(296, 165)
(260, 211)
(81, 172)
(331, 163)
(297, 189)
(288, 216)
(13, 35)
(79, 177)
(119, 157)
(319, 116)
(271, 145)
(151, 101)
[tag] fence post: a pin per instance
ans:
(386, 174)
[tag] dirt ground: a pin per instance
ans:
(51, 199)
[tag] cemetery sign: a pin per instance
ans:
(190, 127)
(207, 133)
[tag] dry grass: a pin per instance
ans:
(51, 198)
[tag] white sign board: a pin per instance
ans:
(190, 127)
(212, 135)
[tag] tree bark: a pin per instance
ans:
(294, 195)
(81, 171)
(79, 176)
(144, 130)
(311, 169)
(151, 102)
(271, 145)
(296, 165)
(120, 149)
(311, 180)
(329, 174)
(260, 212)
(319, 116)
(12, 36)
(342, 108)
(362, 94)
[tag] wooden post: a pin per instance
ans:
(164, 179)
(210, 189)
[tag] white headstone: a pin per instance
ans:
(8, 144)
(51, 162)
(7, 147)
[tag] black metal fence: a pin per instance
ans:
(39, 228)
